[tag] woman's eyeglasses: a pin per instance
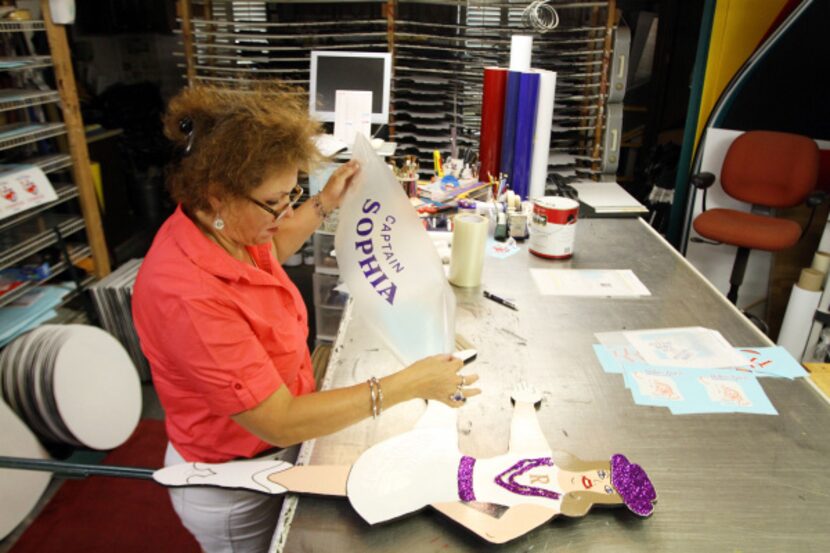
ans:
(293, 196)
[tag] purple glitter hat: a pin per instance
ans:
(633, 485)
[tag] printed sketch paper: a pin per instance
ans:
(692, 347)
(588, 282)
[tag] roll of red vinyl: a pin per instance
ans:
(492, 115)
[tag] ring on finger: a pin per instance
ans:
(458, 396)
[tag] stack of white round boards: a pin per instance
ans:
(72, 384)
(20, 489)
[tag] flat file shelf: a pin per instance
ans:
(54, 271)
(35, 243)
(16, 99)
(439, 49)
(65, 193)
(12, 136)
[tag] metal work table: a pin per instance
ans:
(724, 482)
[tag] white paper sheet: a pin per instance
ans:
(692, 347)
(23, 187)
(587, 282)
(607, 197)
(352, 114)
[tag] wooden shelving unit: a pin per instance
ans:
(36, 133)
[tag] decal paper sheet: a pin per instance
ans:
(689, 390)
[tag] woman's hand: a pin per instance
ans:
(338, 184)
(437, 378)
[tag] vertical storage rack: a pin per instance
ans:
(439, 48)
(32, 131)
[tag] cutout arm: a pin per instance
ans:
(314, 479)
(526, 436)
(516, 521)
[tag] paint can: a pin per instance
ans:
(553, 227)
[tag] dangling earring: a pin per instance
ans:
(218, 223)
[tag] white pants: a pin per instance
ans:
(223, 520)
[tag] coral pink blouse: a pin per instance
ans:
(220, 335)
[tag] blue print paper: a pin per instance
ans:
(704, 391)
(614, 358)
(775, 362)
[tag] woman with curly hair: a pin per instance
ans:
(222, 325)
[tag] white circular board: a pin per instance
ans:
(96, 387)
(20, 489)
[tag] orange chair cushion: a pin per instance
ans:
(769, 168)
(748, 230)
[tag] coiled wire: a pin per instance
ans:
(540, 16)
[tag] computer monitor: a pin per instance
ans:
(335, 70)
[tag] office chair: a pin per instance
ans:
(768, 170)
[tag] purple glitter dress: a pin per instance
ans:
(408, 472)
(422, 467)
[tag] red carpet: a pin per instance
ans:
(113, 514)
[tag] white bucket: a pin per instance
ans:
(553, 228)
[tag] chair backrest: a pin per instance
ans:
(773, 169)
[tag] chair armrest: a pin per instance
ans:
(816, 198)
(702, 181)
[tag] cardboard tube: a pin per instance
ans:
(525, 128)
(541, 140)
(469, 237)
(811, 280)
(508, 128)
(521, 47)
(821, 262)
(795, 328)
(492, 119)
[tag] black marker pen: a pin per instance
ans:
(502, 301)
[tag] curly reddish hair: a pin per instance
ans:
(239, 137)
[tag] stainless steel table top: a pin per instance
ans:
(725, 482)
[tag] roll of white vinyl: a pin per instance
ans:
(797, 320)
(20, 489)
(96, 387)
(469, 236)
(541, 135)
(521, 47)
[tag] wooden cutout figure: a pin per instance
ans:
(423, 467)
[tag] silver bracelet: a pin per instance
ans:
(374, 396)
(318, 206)
(379, 394)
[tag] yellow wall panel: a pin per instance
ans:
(737, 29)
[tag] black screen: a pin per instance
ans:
(348, 73)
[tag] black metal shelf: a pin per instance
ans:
(33, 133)
(11, 98)
(40, 241)
(56, 270)
(21, 26)
(65, 193)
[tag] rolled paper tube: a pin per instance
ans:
(521, 47)
(821, 262)
(509, 119)
(469, 237)
(492, 122)
(541, 139)
(810, 279)
(525, 128)
(795, 328)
